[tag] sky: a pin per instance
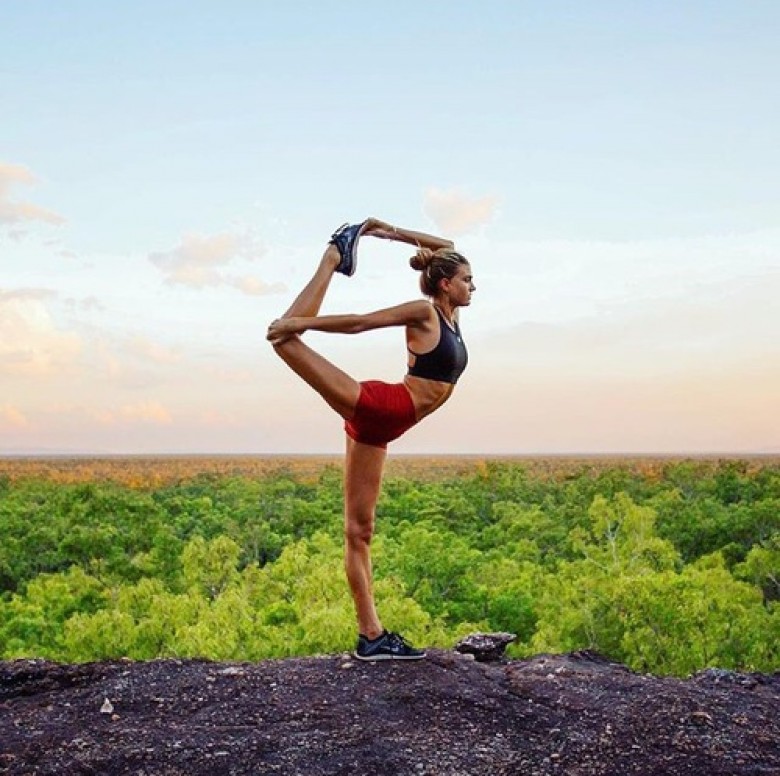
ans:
(170, 173)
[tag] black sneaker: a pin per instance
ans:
(345, 238)
(388, 646)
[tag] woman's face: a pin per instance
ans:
(461, 286)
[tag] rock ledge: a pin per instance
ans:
(573, 714)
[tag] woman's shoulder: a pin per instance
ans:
(421, 308)
(421, 314)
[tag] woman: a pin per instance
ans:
(375, 413)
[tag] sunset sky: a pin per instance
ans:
(171, 171)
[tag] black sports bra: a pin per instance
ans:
(447, 360)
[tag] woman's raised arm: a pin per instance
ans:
(376, 228)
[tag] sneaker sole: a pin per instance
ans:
(378, 658)
(351, 246)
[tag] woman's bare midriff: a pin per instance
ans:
(427, 395)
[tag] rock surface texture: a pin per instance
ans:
(569, 714)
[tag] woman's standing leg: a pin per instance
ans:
(362, 482)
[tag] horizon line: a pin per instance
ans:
(43, 454)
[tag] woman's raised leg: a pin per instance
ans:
(308, 302)
(338, 389)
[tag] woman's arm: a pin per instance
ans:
(415, 314)
(376, 228)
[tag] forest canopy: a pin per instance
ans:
(668, 566)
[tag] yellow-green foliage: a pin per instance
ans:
(669, 568)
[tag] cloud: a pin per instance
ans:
(231, 375)
(19, 212)
(147, 350)
(145, 412)
(703, 410)
(88, 304)
(199, 262)
(30, 343)
(194, 262)
(706, 323)
(11, 417)
(135, 362)
(255, 287)
(454, 213)
(22, 294)
(557, 281)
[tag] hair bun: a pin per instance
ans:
(421, 259)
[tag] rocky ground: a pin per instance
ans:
(569, 714)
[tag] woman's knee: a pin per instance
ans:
(286, 346)
(359, 530)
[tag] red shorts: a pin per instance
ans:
(383, 412)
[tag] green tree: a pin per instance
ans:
(678, 623)
(762, 568)
(433, 565)
(210, 567)
(31, 622)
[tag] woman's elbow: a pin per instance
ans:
(358, 324)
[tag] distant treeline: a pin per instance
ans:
(669, 567)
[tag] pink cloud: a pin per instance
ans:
(455, 213)
(18, 212)
(148, 350)
(145, 412)
(253, 286)
(12, 417)
(30, 343)
(199, 261)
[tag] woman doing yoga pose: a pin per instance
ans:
(374, 412)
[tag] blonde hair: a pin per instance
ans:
(435, 266)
